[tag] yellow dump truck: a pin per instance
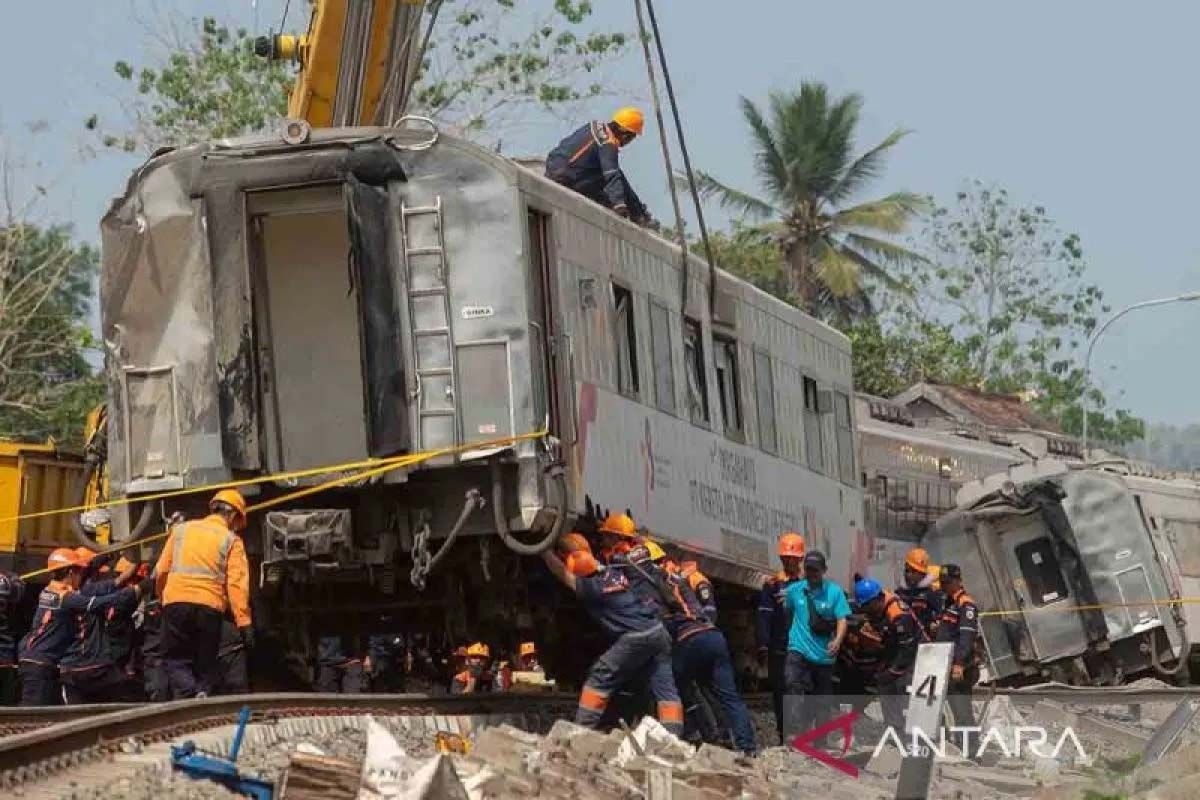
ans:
(34, 478)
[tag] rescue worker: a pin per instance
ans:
(701, 653)
(860, 659)
(588, 161)
(474, 676)
(899, 627)
(232, 670)
(55, 624)
(527, 658)
(702, 587)
(640, 644)
(919, 594)
(11, 592)
(120, 625)
(773, 621)
(819, 610)
(337, 670)
(87, 670)
(201, 575)
(959, 625)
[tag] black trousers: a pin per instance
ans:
(191, 638)
(39, 685)
(106, 684)
(154, 680)
(341, 678)
(807, 694)
(10, 685)
(776, 678)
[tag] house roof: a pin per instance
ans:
(985, 408)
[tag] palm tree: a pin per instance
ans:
(804, 160)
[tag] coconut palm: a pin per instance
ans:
(804, 157)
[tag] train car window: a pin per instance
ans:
(627, 365)
(664, 366)
(728, 386)
(845, 437)
(1042, 574)
(812, 426)
(697, 380)
(764, 386)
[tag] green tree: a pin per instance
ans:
(804, 158)
(489, 65)
(1010, 287)
(887, 362)
(46, 383)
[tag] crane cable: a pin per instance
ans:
(666, 151)
(687, 162)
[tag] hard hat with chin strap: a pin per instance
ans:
(232, 498)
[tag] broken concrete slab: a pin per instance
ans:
(1000, 780)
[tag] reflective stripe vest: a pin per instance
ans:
(204, 563)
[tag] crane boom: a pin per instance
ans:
(357, 61)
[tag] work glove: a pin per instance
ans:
(247, 634)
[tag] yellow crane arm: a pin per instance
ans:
(357, 61)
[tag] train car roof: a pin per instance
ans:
(417, 140)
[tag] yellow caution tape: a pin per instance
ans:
(380, 467)
(1055, 608)
(391, 462)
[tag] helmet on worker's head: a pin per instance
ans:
(655, 550)
(791, 544)
(581, 563)
(527, 649)
(917, 560)
(234, 500)
(631, 119)
(866, 590)
(574, 542)
(84, 555)
(62, 557)
(619, 525)
(478, 650)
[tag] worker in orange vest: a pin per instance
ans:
(773, 622)
(201, 575)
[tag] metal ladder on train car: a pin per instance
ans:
(433, 345)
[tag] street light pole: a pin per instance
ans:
(1087, 361)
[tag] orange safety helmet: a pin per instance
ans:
(631, 119)
(574, 542)
(84, 555)
(917, 560)
(619, 525)
(791, 544)
(232, 498)
(478, 649)
(61, 557)
(527, 649)
(581, 563)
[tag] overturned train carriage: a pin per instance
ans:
(1085, 564)
(272, 307)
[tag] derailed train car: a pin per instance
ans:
(1086, 565)
(276, 304)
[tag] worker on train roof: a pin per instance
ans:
(588, 162)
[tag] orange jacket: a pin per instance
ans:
(204, 562)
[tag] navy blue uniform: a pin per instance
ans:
(11, 592)
(640, 644)
(588, 162)
(153, 652)
(959, 624)
(926, 604)
(772, 623)
(87, 669)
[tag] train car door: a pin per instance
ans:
(1039, 585)
(549, 353)
(308, 330)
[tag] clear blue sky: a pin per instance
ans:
(1086, 108)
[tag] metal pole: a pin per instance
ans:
(1087, 360)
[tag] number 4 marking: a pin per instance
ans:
(928, 689)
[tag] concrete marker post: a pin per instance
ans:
(927, 700)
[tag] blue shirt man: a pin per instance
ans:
(829, 601)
